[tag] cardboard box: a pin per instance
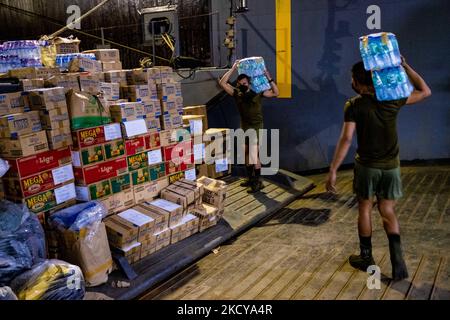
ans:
(111, 66)
(157, 171)
(114, 149)
(153, 124)
(66, 45)
(101, 171)
(180, 151)
(152, 107)
(11, 103)
(166, 73)
(192, 223)
(128, 111)
(110, 91)
(172, 167)
(41, 162)
(89, 83)
(201, 170)
(161, 218)
(172, 106)
(52, 119)
(176, 177)
(152, 141)
(170, 137)
(19, 124)
(38, 183)
(138, 161)
(50, 199)
(140, 176)
(144, 223)
(177, 232)
(97, 135)
(167, 92)
(148, 246)
(165, 207)
(207, 215)
(86, 110)
(82, 64)
(195, 111)
(32, 84)
(162, 239)
(149, 191)
(33, 73)
(121, 183)
(196, 188)
(87, 156)
(24, 146)
(215, 191)
(94, 191)
(118, 76)
(171, 121)
(105, 55)
(135, 145)
(59, 138)
(180, 195)
(47, 99)
(143, 76)
(66, 81)
(119, 201)
(120, 231)
(131, 252)
(137, 93)
(131, 129)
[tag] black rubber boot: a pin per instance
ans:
(365, 258)
(256, 184)
(250, 174)
(399, 270)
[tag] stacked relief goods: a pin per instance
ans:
(36, 146)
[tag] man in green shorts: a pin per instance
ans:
(250, 110)
(377, 163)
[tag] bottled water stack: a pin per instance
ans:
(391, 84)
(20, 54)
(381, 54)
(255, 67)
(63, 60)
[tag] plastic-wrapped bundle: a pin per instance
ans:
(379, 51)
(22, 241)
(392, 84)
(4, 167)
(83, 240)
(6, 293)
(260, 84)
(255, 68)
(63, 60)
(50, 280)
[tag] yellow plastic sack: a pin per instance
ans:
(48, 55)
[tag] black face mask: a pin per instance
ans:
(243, 88)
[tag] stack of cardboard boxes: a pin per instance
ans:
(44, 182)
(53, 113)
(100, 166)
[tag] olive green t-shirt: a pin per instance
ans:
(250, 109)
(376, 129)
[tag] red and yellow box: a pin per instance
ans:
(97, 135)
(101, 171)
(24, 167)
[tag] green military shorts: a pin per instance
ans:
(385, 184)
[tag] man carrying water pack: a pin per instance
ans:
(250, 110)
(377, 163)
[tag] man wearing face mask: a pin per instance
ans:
(250, 110)
(377, 163)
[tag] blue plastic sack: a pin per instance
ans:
(22, 241)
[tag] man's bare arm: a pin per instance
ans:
(421, 89)
(274, 91)
(223, 82)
